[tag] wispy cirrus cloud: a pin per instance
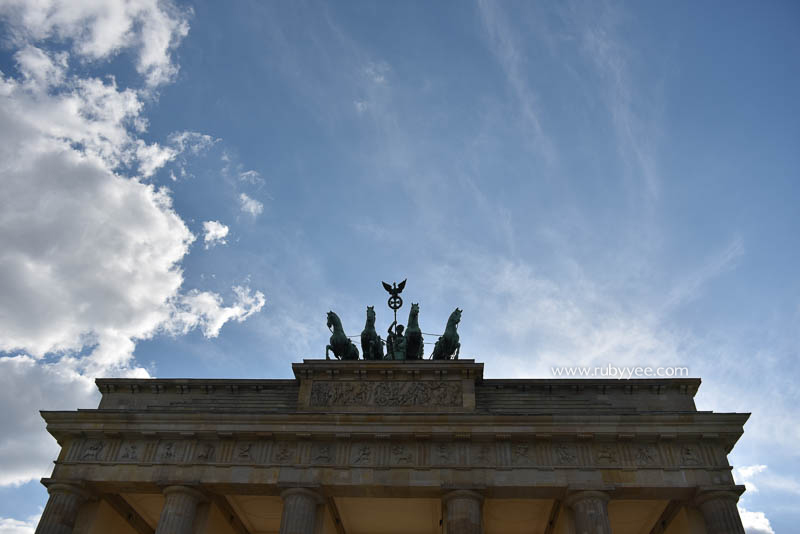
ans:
(505, 44)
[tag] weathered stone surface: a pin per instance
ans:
(463, 512)
(719, 510)
(299, 511)
(590, 512)
(61, 510)
(180, 509)
(403, 429)
(385, 394)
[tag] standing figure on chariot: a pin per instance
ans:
(396, 342)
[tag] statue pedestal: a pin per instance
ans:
(376, 386)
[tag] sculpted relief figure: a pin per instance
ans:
(447, 346)
(93, 450)
(371, 343)
(340, 345)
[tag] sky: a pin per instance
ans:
(189, 187)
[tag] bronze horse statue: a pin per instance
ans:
(371, 343)
(340, 345)
(414, 344)
(447, 346)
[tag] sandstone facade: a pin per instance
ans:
(370, 447)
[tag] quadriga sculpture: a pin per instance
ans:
(447, 346)
(371, 343)
(340, 345)
(414, 344)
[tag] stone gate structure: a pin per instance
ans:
(393, 447)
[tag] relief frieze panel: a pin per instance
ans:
(206, 451)
(606, 454)
(131, 452)
(443, 453)
(323, 453)
(245, 452)
(94, 450)
(386, 394)
(566, 454)
(284, 453)
(522, 454)
(362, 454)
(410, 454)
(402, 454)
(645, 455)
(482, 454)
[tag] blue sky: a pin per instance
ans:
(190, 187)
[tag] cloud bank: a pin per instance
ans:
(91, 252)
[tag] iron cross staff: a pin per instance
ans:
(395, 302)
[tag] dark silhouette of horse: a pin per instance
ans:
(447, 347)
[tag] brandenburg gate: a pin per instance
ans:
(393, 447)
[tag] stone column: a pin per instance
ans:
(62, 509)
(464, 512)
(299, 511)
(590, 512)
(180, 509)
(720, 512)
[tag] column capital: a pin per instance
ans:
(186, 490)
(724, 493)
(305, 492)
(71, 489)
(582, 495)
(462, 494)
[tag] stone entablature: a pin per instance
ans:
(402, 429)
(383, 386)
(422, 452)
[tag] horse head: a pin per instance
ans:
(455, 317)
(333, 320)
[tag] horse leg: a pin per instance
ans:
(327, 348)
(458, 348)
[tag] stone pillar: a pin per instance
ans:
(62, 509)
(720, 512)
(590, 512)
(300, 507)
(180, 509)
(464, 512)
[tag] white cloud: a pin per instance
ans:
(251, 176)
(746, 473)
(361, 106)
(90, 261)
(204, 310)
(214, 233)
(250, 205)
(26, 386)
(755, 522)
(15, 526)
(195, 142)
(766, 479)
(377, 72)
(98, 30)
